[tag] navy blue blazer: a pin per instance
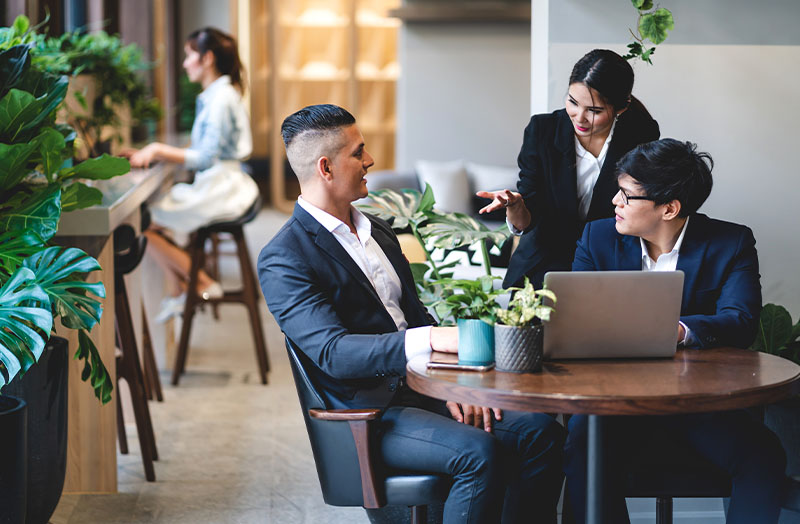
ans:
(548, 183)
(325, 304)
(721, 289)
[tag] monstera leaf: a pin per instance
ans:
(54, 268)
(774, 329)
(25, 323)
(93, 369)
(453, 230)
(404, 208)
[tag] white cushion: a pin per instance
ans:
(449, 182)
(492, 178)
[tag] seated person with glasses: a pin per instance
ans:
(657, 228)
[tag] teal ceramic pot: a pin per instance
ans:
(475, 342)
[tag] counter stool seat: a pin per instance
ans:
(247, 295)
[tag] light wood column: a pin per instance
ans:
(92, 431)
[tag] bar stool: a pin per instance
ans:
(128, 252)
(247, 295)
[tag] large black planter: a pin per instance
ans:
(13, 459)
(44, 388)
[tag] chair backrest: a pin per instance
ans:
(331, 442)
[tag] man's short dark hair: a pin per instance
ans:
(668, 170)
(322, 117)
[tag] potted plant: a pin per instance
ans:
(471, 303)
(39, 282)
(108, 95)
(778, 336)
(518, 330)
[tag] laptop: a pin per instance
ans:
(613, 314)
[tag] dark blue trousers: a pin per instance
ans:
(733, 440)
(515, 472)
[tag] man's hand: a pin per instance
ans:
(444, 339)
(477, 416)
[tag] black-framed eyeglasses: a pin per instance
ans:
(626, 198)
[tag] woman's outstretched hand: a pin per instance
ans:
(142, 157)
(504, 198)
(516, 210)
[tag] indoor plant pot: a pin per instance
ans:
(518, 349)
(13, 459)
(475, 342)
(44, 389)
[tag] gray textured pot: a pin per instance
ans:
(518, 349)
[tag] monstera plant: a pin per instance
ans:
(40, 282)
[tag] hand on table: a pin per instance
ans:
(477, 416)
(444, 339)
(142, 157)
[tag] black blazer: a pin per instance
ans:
(323, 302)
(548, 183)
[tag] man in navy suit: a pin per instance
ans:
(662, 184)
(342, 292)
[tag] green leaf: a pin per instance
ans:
(94, 370)
(39, 210)
(642, 5)
(17, 109)
(54, 267)
(14, 62)
(654, 26)
(21, 24)
(25, 323)
(50, 144)
(400, 208)
(79, 196)
(418, 270)
(774, 329)
(13, 163)
(100, 168)
(453, 230)
(16, 246)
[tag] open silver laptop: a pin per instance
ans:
(613, 314)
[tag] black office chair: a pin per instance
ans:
(349, 471)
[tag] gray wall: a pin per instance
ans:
(726, 79)
(464, 92)
(196, 14)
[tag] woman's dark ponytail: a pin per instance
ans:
(225, 50)
(610, 75)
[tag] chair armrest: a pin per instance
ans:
(359, 420)
(345, 414)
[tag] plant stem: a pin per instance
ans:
(427, 254)
(485, 253)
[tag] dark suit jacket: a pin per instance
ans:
(721, 289)
(548, 183)
(324, 303)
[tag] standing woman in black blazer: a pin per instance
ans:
(567, 165)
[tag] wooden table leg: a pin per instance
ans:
(594, 471)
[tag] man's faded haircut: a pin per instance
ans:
(313, 132)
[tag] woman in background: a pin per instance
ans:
(567, 165)
(220, 140)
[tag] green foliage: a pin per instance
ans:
(467, 299)
(116, 69)
(652, 26)
(37, 183)
(526, 305)
(776, 334)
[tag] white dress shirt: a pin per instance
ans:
(370, 258)
(667, 262)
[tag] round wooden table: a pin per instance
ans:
(692, 381)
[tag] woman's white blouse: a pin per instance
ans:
(587, 168)
(221, 129)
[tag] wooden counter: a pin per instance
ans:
(92, 433)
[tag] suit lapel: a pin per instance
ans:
(629, 253)
(564, 179)
(327, 243)
(691, 254)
